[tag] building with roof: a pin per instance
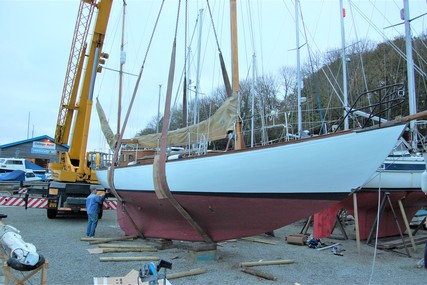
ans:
(40, 150)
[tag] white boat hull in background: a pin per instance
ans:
(399, 173)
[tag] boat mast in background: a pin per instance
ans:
(122, 62)
(240, 144)
(411, 77)
(344, 66)
(298, 70)
(199, 46)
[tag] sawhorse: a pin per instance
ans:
(9, 275)
(337, 222)
(386, 199)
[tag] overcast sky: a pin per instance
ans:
(36, 39)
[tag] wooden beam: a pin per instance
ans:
(122, 249)
(260, 240)
(112, 239)
(356, 222)
(185, 273)
(260, 273)
(266, 262)
(116, 245)
(408, 229)
(129, 258)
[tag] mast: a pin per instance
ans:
(199, 46)
(188, 82)
(253, 100)
(410, 74)
(344, 66)
(235, 87)
(122, 62)
(298, 71)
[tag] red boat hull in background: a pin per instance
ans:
(368, 203)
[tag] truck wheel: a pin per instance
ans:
(51, 213)
(100, 214)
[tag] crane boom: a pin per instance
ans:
(73, 73)
(81, 126)
(72, 166)
(74, 173)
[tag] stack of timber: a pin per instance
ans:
(397, 243)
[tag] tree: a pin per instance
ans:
(369, 66)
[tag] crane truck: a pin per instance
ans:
(74, 174)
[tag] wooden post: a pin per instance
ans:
(408, 229)
(356, 222)
(259, 273)
(43, 274)
(186, 273)
(306, 225)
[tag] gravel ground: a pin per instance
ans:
(70, 263)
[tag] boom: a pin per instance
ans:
(74, 174)
(72, 166)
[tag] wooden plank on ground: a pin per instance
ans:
(109, 250)
(398, 244)
(94, 250)
(113, 250)
(91, 239)
(113, 239)
(185, 273)
(129, 258)
(266, 262)
(121, 245)
(260, 240)
(259, 273)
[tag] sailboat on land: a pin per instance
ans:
(402, 169)
(400, 175)
(218, 195)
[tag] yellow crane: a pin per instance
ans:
(74, 173)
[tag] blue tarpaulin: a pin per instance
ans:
(16, 175)
(33, 166)
(38, 170)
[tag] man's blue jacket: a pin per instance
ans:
(93, 201)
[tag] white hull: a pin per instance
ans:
(330, 164)
(253, 191)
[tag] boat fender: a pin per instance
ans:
(424, 181)
(15, 264)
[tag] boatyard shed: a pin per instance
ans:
(41, 150)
